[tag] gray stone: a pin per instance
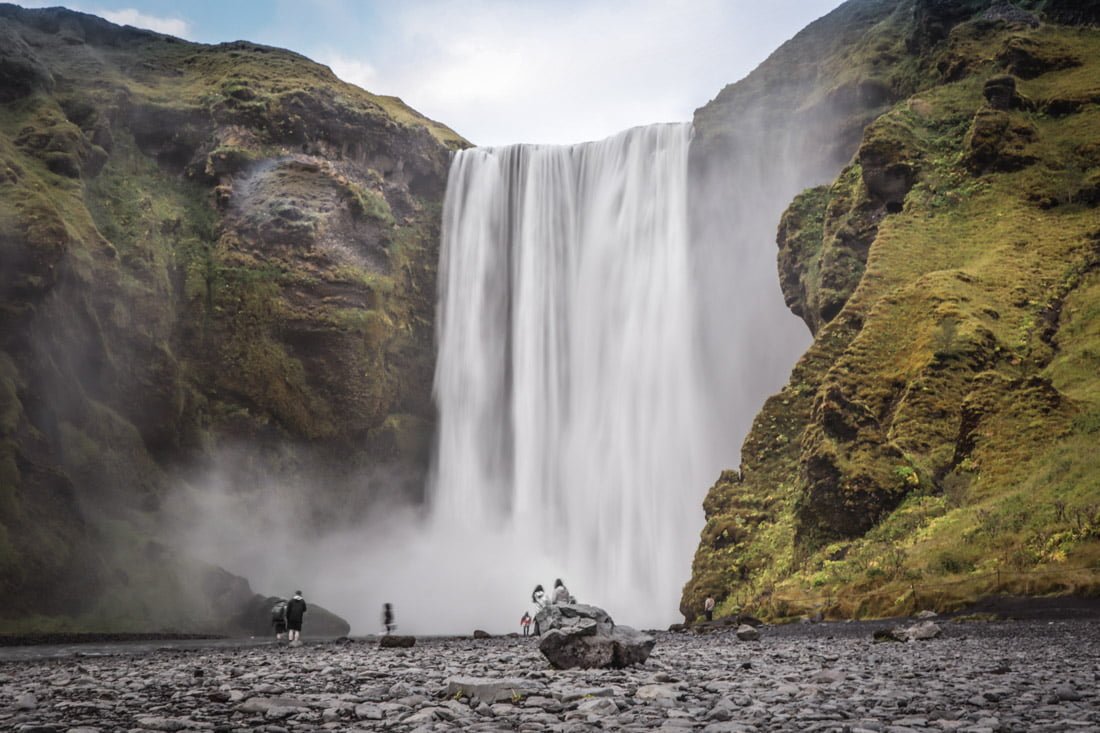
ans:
(829, 676)
(165, 724)
(923, 631)
(578, 635)
(598, 706)
(747, 633)
(263, 704)
(395, 641)
(491, 689)
(1066, 693)
(656, 692)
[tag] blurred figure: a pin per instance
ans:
(525, 622)
(561, 593)
(387, 618)
(278, 618)
(295, 611)
(538, 596)
(708, 608)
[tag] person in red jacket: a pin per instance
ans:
(525, 622)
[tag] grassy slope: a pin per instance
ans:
(934, 443)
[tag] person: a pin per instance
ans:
(525, 622)
(538, 596)
(295, 610)
(561, 593)
(278, 618)
(387, 618)
(708, 608)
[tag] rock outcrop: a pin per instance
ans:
(205, 249)
(930, 443)
(255, 619)
(579, 635)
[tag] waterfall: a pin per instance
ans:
(574, 421)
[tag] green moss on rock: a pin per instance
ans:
(932, 437)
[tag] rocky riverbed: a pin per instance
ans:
(977, 677)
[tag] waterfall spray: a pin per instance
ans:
(573, 416)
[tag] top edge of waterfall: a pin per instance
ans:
(585, 143)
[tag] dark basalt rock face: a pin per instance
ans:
(204, 248)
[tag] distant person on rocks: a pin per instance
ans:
(295, 611)
(278, 618)
(708, 608)
(387, 618)
(561, 593)
(538, 596)
(525, 622)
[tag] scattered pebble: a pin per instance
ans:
(826, 678)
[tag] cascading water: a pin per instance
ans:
(575, 429)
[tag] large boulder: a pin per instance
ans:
(255, 619)
(578, 635)
(394, 641)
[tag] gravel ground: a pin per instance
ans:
(977, 677)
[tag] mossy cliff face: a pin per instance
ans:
(936, 442)
(201, 246)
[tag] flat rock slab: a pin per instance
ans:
(491, 690)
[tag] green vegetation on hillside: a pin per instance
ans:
(936, 443)
(204, 247)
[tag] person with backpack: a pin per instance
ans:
(278, 618)
(525, 622)
(295, 610)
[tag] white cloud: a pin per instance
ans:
(353, 71)
(138, 19)
(501, 72)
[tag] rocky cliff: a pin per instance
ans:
(201, 247)
(937, 441)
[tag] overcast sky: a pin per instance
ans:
(502, 72)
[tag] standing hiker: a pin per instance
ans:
(278, 618)
(295, 610)
(387, 618)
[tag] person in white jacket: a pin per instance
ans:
(561, 593)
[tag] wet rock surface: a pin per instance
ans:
(997, 676)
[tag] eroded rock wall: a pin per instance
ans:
(203, 248)
(929, 445)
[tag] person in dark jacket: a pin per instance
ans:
(295, 610)
(387, 618)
